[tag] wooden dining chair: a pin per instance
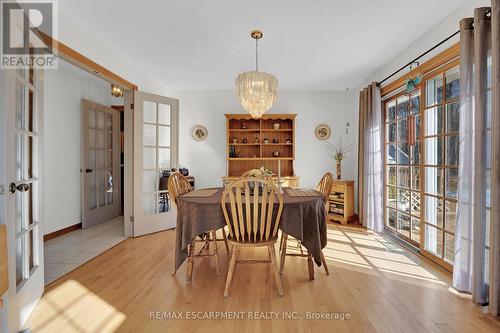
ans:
(253, 221)
(324, 187)
(178, 185)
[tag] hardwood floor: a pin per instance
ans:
(382, 287)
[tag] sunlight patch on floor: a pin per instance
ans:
(69, 298)
(416, 276)
(366, 249)
(396, 257)
(413, 270)
(351, 263)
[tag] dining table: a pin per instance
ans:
(303, 217)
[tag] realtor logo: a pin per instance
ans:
(23, 24)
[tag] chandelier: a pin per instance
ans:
(256, 90)
(116, 91)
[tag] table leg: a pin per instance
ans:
(310, 266)
(189, 268)
(323, 261)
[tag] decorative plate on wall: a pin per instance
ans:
(199, 133)
(323, 131)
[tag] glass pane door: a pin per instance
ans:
(155, 155)
(156, 150)
(402, 151)
(441, 148)
(421, 172)
(25, 186)
(23, 128)
(100, 163)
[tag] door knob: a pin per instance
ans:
(88, 170)
(22, 187)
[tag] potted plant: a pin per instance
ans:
(339, 151)
(259, 173)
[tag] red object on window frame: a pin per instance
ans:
(412, 140)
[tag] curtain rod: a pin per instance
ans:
(420, 56)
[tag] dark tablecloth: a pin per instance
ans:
(303, 218)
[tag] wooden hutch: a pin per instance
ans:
(268, 142)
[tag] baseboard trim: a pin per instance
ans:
(62, 231)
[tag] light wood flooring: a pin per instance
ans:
(382, 286)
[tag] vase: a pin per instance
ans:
(339, 169)
(184, 172)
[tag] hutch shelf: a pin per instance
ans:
(268, 142)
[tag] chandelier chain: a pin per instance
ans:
(257, 55)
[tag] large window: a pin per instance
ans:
(421, 164)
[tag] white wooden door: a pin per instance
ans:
(23, 94)
(101, 197)
(155, 150)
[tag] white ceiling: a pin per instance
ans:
(308, 45)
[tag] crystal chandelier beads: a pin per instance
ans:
(257, 91)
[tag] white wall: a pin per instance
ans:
(433, 36)
(64, 89)
(74, 31)
(206, 160)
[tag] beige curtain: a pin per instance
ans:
(495, 175)
(477, 239)
(370, 163)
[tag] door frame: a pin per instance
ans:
(74, 57)
(79, 60)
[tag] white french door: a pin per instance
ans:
(23, 94)
(155, 151)
(101, 197)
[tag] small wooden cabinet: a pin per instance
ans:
(341, 201)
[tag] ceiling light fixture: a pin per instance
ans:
(116, 91)
(256, 91)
